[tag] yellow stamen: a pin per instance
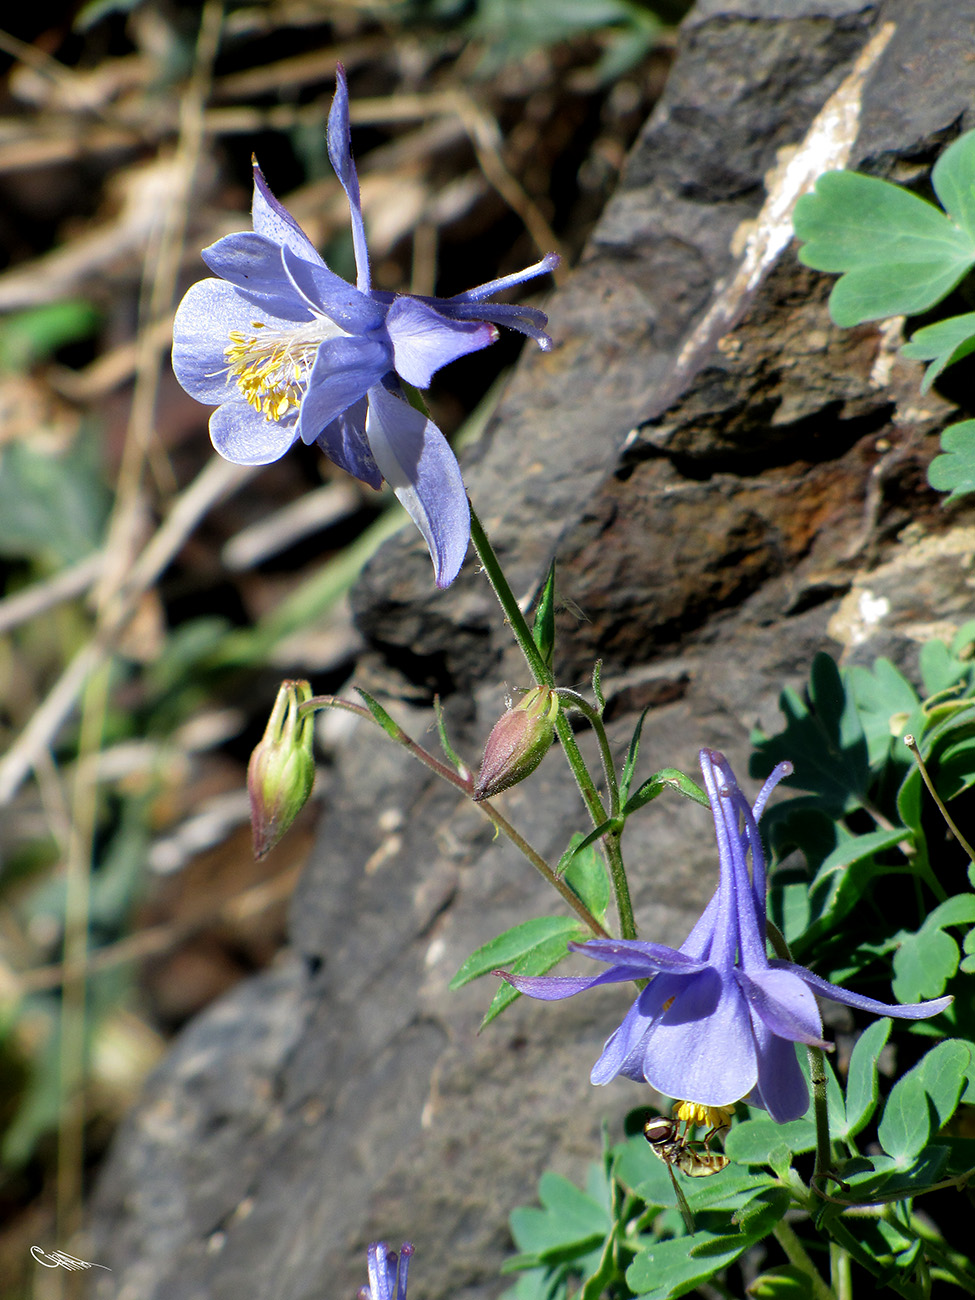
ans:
(695, 1115)
(270, 372)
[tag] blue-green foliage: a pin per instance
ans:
(866, 819)
(898, 254)
(624, 1236)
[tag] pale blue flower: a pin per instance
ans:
(387, 1272)
(286, 349)
(718, 1019)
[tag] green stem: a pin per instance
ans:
(817, 1075)
(796, 1253)
(839, 1261)
(464, 785)
(544, 677)
(512, 610)
(577, 701)
(911, 744)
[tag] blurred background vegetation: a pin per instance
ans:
(152, 595)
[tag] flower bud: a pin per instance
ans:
(281, 771)
(518, 742)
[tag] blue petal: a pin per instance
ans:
(416, 461)
(253, 264)
(623, 1051)
(340, 154)
(242, 435)
(784, 1004)
(329, 294)
(637, 954)
(344, 442)
(382, 1278)
(423, 340)
(275, 222)
(702, 1049)
(201, 331)
(781, 1086)
(344, 371)
(905, 1011)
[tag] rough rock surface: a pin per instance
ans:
(719, 503)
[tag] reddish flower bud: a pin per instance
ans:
(518, 742)
(281, 771)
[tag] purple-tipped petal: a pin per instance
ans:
(344, 442)
(702, 1048)
(553, 988)
(328, 294)
(423, 340)
(526, 320)
(201, 332)
(548, 263)
(638, 955)
(784, 1004)
(273, 220)
(901, 1011)
(416, 461)
(344, 371)
(243, 435)
(340, 154)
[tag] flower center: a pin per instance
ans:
(271, 369)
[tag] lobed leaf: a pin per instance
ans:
(899, 254)
(954, 471)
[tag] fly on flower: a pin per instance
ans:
(717, 1020)
(287, 350)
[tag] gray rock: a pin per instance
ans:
(717, 503)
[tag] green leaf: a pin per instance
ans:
(942, 344)
(51, 506)
(629, 767)
(513, 945)
(952, 177)
(27, 337)
(940, 669)
(884, 700)
(451, 755)
(900, 255)
(543, 628)
(763, 1142)
(539, 960)
(954, 472)
(588, 878)
(784, 1282)
(925, 1097)
(925, 961)
(672, 1268)
(660, 781)
(861, 1081)
(571, 1222)
(391, 727)
(823, 738)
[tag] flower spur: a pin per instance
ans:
(286, 350)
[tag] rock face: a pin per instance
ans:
(722, 475)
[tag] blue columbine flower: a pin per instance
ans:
(287, 349)
(718, 1019)
(387, 1272)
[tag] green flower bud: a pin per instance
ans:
(518, 742)
(281, 771)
